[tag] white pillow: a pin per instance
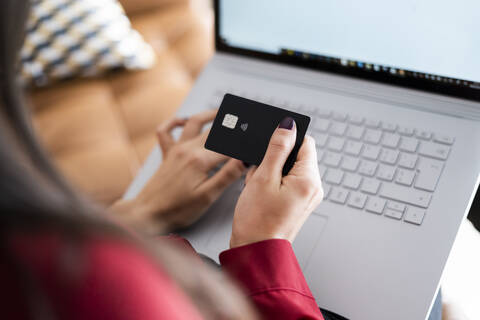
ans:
(69, 38)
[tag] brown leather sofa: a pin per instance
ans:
(100, 130)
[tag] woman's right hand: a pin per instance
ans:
(273, 206)
(182, 188)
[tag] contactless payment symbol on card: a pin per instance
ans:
(244, 127)
(230, 121)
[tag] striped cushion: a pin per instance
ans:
(69, 38)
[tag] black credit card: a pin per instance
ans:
(242, 130)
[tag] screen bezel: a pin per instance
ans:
(385, 78)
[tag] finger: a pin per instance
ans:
(201, 138)
(306, 163)
(214, 186)
(211, 159)
(164, 133)
(306, 168)
(195, 124)
(250, 173)
(279, 148)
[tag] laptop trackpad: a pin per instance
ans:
(308, 237)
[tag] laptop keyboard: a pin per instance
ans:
(373, 166)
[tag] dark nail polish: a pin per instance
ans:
(246, 164)
(287, 123)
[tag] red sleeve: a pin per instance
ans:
(102, 279)
(271, 276)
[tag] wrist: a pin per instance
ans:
(236, 241)
(133, 212)
(123, 210)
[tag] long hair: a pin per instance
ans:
(34, 196)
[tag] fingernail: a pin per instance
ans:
(246, 165)
(287, 123)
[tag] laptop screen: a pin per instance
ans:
(428, 44)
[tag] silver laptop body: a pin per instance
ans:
(400, 167)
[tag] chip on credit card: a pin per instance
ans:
(242, 130)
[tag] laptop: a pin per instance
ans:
(393, 90)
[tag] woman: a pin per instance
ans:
(65, 258)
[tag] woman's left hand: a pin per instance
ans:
(181, 190)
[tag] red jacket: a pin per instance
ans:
(109, 279)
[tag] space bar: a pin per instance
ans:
(407, 195)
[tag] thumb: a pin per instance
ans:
(279, 148)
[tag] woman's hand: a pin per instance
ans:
(272, 206)
(181, 189)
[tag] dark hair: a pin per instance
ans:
(34, 196)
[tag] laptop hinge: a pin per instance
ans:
(344, 85)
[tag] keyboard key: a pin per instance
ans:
(307, 108)
(355, 119)
(332, 159)
(386, 173)
(357, 200)
(322, 170)
(215, 102)
(444, 139)
(334, 176)
(323, 113)
(339, 116)
(273, 102)
(405, 177)
(353, 148)
(338, 128)
(338, 195)
(429, 172)
(389, 156)
(355, 132)
(372, 123)
(376, 205)
(326, 191)
(350, 164)
(393, 214)
(372, 136)
(320, 154)
(371, 152)
(434, 150)
(409, 144)
(336, 144)
(414, 215)
(397, 206)
(405, 194)
(321, 140)
(368, 168)
(390, 127)
(219, 93)
(370, 186)
(352, 181)
(255, 97)
(390, 140)
(424, 135)
(406, 131)
(321, 125)
(408, 160)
